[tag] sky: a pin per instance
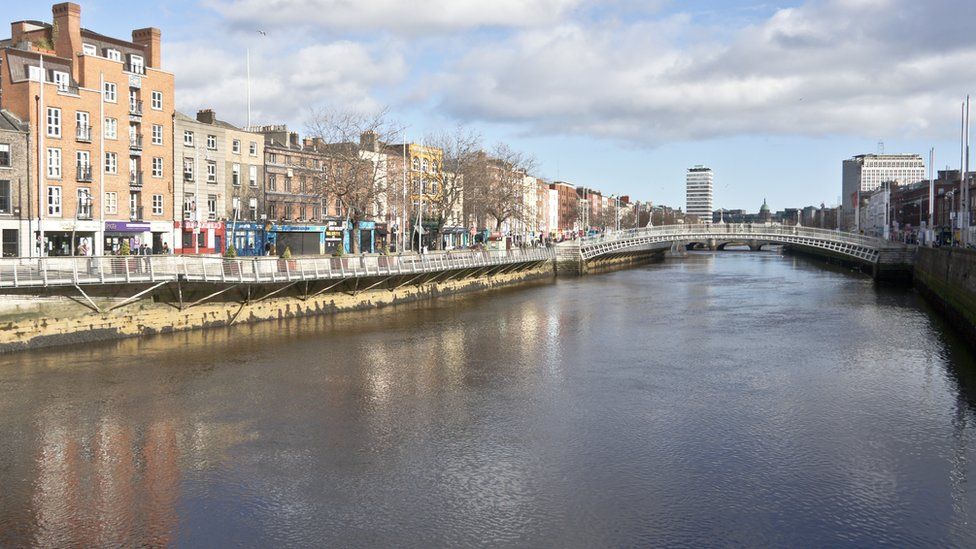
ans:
(620, 95)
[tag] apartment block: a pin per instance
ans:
(698, 193)
(100, 133)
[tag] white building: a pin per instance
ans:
(866, 172)
(698, 193)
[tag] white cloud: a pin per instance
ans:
(392, 15)
(284, 85)
(856, 67)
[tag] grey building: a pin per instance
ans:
(15, 228)
(864, 173)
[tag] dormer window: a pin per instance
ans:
(35, 74)
(89, 49)
(61, 80)
(114, 55)
(136, 64)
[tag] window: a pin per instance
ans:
(157, 167)
(236, 175)
(5, 155)
(111, 163)
(211, 171)
(110, 92)
(136, 64)
(252, 176)
(111, 203)
(89, 49)
(272, 158)
(236, 146)
(53, 122)
(253, 206)
(54, 201)
(135, 105)
(61, 80)
(4, 197)
(416, 164)
(253, 148)
(188, 169)
(212, 207)
(54, 163)
(188, 138)
(114, 55)
(157, 134)
(236, 206)
(157, 204)
(272, 182)
(156, 100)
(82, 126)
(83, 160)
(35, 74)
(189, 205)
(111, 128)
(134, 207)
(84, 203)
(212, 142)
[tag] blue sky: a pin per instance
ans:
(622, 95)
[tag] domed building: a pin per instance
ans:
(764, 216)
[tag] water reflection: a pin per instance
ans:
(746, 396)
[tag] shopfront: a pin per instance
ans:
(199, 237)
(366, 233)
(334, 235)
(453, 238)
(68, 237)
(299, 239)
(119, 232)
(248, 238)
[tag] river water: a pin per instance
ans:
(730, 398)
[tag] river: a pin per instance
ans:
(729, 398)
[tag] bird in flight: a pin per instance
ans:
(262, 33)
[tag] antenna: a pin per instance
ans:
(880, 147)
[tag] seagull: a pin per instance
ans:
(262, 33)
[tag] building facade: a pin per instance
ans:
(101, 133)
(699, 187)
(15, 185)
(200, 157)
(866, 172)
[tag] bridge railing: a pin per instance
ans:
(745, 230)
(61, 271)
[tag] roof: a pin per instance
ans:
(10, 122)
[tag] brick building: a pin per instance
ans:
(15, 182)
(566, 208)
(100, 113)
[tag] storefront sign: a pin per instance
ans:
(213, 225)
(126, 227)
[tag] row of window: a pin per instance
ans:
(284, 211)
(190, 207)
(84, 204)
(83, 128)
(188, 140)
(83, 161)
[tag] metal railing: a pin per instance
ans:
(135, 142)
(135, 179)
(83, 133)
(136, 214)
(68, 271)
(84, 173)
(135, 107)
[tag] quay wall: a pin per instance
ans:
(947, 279)
(23, 328)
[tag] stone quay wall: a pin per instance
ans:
(947, 278)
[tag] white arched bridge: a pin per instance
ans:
(866, 251)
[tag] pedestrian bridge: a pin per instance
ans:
(862, 250)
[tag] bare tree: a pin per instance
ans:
(354, 169)
(496, 185)
(460, 147)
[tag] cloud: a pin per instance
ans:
(854, 67)
(392, 15)
(284, 85)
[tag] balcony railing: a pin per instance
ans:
(135, 107)
(84, 173)
(135, 69)
(135, 142)
(187, 176)
(135, 179)
(83, 133)
(85, 213)
(136, 214)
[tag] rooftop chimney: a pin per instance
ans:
(66, 33)
(148, 38)
(207, 116)
(293, 139)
